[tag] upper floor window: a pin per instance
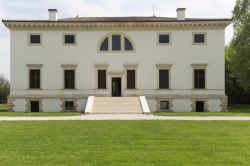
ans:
(116, 42)
(69, 39)
(34, 39)
(164, 39)
(199, 38)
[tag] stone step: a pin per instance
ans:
(117, 105)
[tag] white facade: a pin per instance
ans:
(181, 56)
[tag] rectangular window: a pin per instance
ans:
(69, 105)
(69, 39)
(164, 105)
(35, 39)
(199, 78)
(116, 42)
(164, 39)
(101, 79)
(163, 79)
(34, 106)
(35, 79)
(130, 79)
(69, 79)
(199, 38)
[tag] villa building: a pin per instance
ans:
(127, 63)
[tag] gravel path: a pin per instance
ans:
(126, 117)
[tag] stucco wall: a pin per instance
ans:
(214, 105)
(182, 105)
(181, 53)
(51, 105)
(19, 105)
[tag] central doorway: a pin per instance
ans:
(116, 86)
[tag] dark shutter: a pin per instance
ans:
(35, 39)
(130, 79)
(69, 79)
(35, 79)
(69, 39)
(164, 79)
(101, 79)
(199, 78)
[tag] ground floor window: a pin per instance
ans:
(34, 106)
(199, 106)
(69, 105)
(164, 105)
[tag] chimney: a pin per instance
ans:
(181, 13)
(52, 14)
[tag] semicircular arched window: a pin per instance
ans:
(116, 43)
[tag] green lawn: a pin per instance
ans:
(234, 110)
(214, 143)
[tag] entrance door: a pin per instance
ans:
(116, 86)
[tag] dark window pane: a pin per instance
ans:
(199, 78)
(130, 79)
(35, 79)
(69, 39)
(35, 39)
(69, 79)
(128, 45)
(105, 45)
(101, 79)
(164, 105)
(163, 38)
(164, 79)
(199, 38)
(69, 105)
(116, 42)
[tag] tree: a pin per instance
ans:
(240, 60)
(4, 89)
(236, 94)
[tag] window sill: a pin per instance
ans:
(70, 89)
(163, 89)
(34, 89)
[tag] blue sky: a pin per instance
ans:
(37, 9)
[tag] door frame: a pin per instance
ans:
(112, 86)
(112, 74)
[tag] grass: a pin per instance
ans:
(139, 143)
(234, 110)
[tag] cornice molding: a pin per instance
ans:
(27, 24)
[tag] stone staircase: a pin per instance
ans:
(117, 105)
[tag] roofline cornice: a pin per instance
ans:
(62, 24)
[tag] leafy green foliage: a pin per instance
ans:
(4, 89)
(240, 58)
